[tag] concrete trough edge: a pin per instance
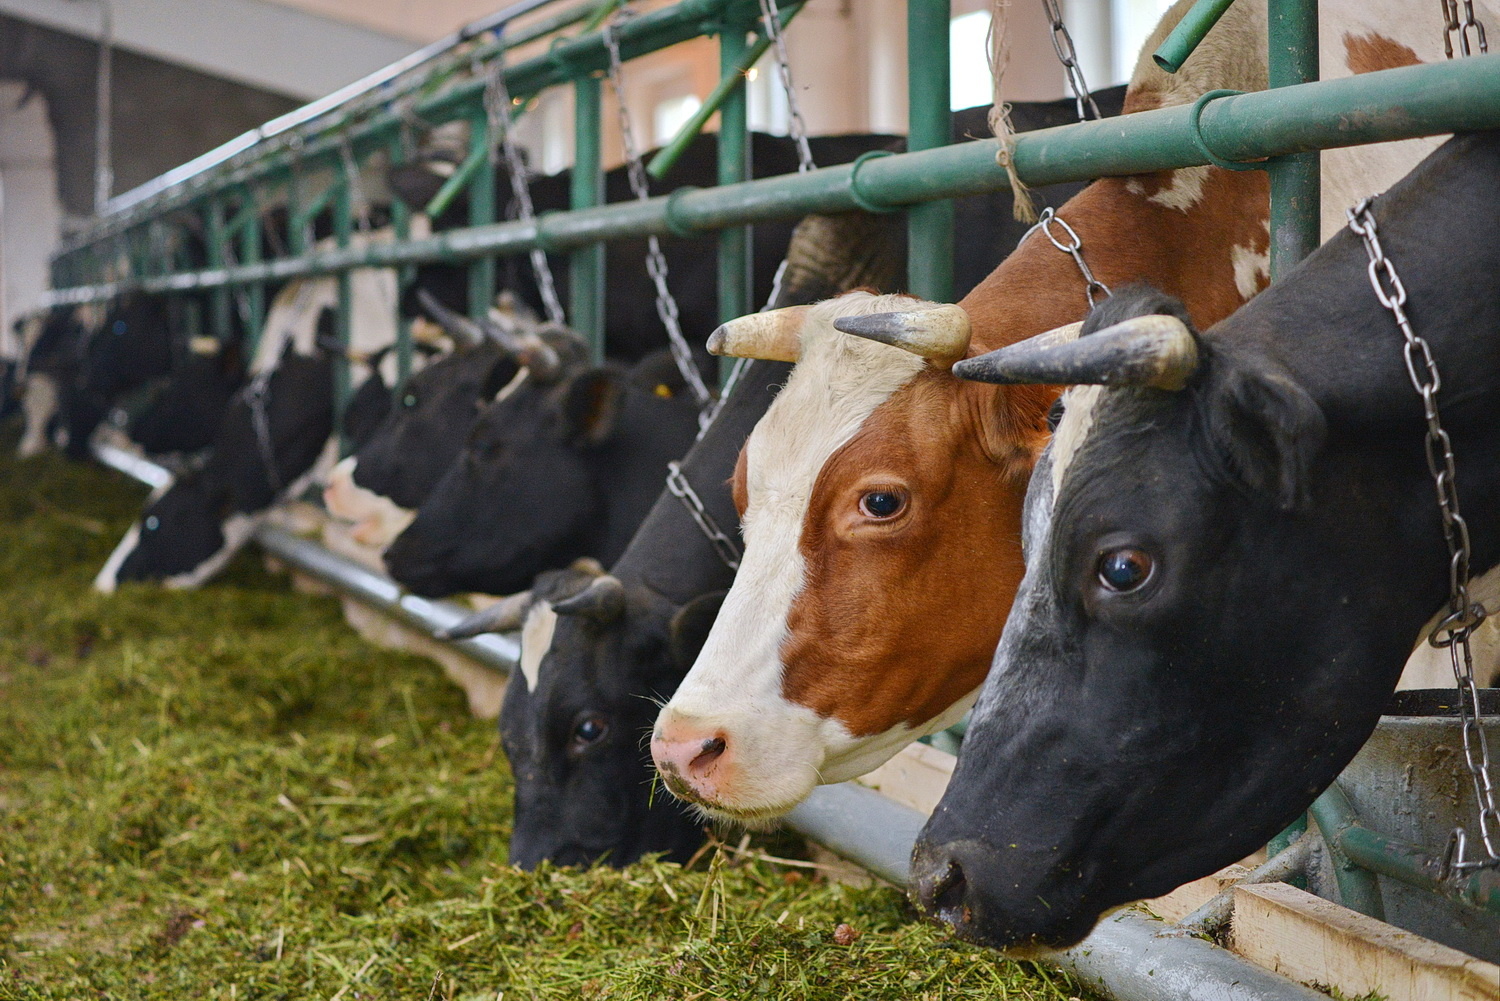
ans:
(1125, 957)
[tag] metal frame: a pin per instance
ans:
(1279, 130)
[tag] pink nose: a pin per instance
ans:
(692, 759)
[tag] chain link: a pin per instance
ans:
(770, 16)
(1452, 24)
(656, 261)
(497, 105)
(680, 488)
(1073, 248)
(1464, 614)
(1062, 44)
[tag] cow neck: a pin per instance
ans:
(670, 554)
(633, 465)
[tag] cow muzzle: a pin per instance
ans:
(706, 763)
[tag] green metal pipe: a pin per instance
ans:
(1296, 195)
(734, 168)
(586, 264)
(1175, 49)
(562, 64)
(929, 269)
(401, 228)
(481, 213)
(730, 82)
(343, 230)
(455, 183)
(250, 253)
(1334, 815)
(1403, 103)
(218, 239)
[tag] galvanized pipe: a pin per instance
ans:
(1402, 103)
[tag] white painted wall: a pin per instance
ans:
(30, 213)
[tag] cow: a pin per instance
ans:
(53, 347)
(882, 495)
(1229, 552)
(379, 487)
(597, 649)
(270, 441)
(185, 415)
(548, 477)
(132, 347)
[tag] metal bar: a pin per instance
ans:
(254, 157)
(481, 213)
(1177, 46)
(343, 229)
(217, 244)
(1429, 99)
(250, 253)
(455, 183)
(586, 264)
(929, 269)
(1295, 179)
(1359, 889)
(733, 168)
(401, 227)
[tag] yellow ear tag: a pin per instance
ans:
(663, 390)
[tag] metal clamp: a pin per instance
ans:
(1195, 132)
(859, 198)
(675, 225)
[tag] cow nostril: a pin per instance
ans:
(709, 752)
(944, 896)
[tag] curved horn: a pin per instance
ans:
(1152, 350)
(539, 357)
(775, 335)
(940, 334)
(462, 329)
(504, 615)
(603, 600)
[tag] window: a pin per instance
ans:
(671, 114)
(1133, 20)
(970, 82)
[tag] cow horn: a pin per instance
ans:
(603, 600)
(775, 335)
(457, 326)
(504, 615)
(539, 357)
(940, 333)
(1152, 350)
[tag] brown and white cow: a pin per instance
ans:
(881, 496)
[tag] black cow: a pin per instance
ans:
(380, 485)
(546, 478)
(132, 347)
(1228, 558)
(186, 414)
(597, 649)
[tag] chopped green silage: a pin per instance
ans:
(226, 794)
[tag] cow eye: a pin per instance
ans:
(1124, 569)
(882, 504)
(409, 400)
(152, 522)
(588, 731)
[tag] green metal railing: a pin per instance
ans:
(1279, 130)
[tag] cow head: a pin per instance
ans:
(597, 655)
(132, 346)
(529, 491)
(187, 413)
(1209, 623)
(872, 473)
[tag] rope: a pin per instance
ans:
(997, 41)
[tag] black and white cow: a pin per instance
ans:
(132, 347)
(53, 346)
(548, 477)
(270, 441)
(185, 415)
(1229, 554)
(598, 649)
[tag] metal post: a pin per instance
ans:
(481, 213)
(1295, 179)
(1359, 889)
(401, 226)
(343, 229)
(734, 166)
(586, 264)
(929, 269)
(250, 253)
(217, 240)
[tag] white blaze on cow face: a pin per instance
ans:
(536, 640)
(776, 750)
(377, 519)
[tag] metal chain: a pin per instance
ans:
(723, 545)
(1452, 24)
(257, 396)
(1464, 615)
(1074, 249)
(1062, 44)
(656, 262)
(497, 105)
(770, 16)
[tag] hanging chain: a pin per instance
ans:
(770, 16)
(728, 552)
(1062, 44)
(1073, 248)
(1452, 24)
(497, 105)
(1464, 615)
(656, 262)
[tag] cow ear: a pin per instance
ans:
(591, 405)
(501, 374)
(1263, 429)
(690, 626)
